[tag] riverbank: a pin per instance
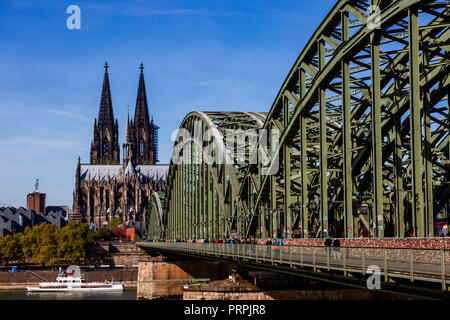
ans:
(23, 286)
(5, 295)
(23, 278)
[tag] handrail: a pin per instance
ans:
(431, 268)
(307, 246)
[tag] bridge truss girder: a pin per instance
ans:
(363, 122)
(202, 194)
(379, 129)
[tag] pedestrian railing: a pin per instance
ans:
(414, 264)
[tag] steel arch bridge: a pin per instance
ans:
(361, 138)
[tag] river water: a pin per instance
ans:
(128, 294)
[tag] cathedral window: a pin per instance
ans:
(105, 146)
(141, 146)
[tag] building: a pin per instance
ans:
(14, 220)
(105, 188)
(75, 217)
(49, 209)
(36, 200)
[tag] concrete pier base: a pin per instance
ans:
(238, 288)
(232, 282)
(158, 268)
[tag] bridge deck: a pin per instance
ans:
(429, 265)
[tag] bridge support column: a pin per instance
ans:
(323, 157)
(349, 231)
(287, 228)
(160, 269)
(303, 160)
(416, 130)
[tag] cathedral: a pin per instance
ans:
(105, 188)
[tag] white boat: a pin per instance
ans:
(69, 282)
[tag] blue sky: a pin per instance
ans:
(198, 55)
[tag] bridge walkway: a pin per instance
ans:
(393, 264)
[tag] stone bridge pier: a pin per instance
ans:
(159, 267)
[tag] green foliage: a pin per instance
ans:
(46, 249)
(29, 243)
(73, 241)
(114, 223)
(45, 243)
(104, 234)
(2, 258)
(11, 249)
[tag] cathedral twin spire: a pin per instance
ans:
(106, 114)
(105, 146)
(139, 147)
(141, 113)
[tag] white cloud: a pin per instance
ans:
(63, 113)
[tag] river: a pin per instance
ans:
(128, 294)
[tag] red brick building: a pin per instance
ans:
(36, 202)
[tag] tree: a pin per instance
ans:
(46, 251)
(11, 249)
(73, 242)
(114, 223)
(104, 234)
(28, 242)
(2, 256)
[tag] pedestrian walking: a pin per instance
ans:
(336, 248)
(328, 242)
(268, 243)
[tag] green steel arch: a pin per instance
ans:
(202, 194)
(156, 218)
(364, 114)
(363, 137)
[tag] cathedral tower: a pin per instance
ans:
(105, 188)
(105, 147)
(144, 130)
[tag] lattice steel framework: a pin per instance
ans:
(202, 199)
(363, 117)
(156, 222)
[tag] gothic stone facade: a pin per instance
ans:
(105, 188)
